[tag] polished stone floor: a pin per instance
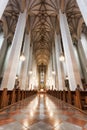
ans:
(42, 112)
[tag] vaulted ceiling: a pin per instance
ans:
(43, 22)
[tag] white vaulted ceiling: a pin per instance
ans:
(42, 21)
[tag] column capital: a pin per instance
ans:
(63, 12)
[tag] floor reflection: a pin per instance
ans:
(42, 112)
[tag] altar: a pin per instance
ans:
(42, 91)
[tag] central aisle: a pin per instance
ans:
(42, 112)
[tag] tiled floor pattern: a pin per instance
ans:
(42, 112)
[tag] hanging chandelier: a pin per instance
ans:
(61, 58)
(22, 57)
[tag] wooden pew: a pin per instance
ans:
(4, 98)
(13, 97)
(18, 95)
(70, 97)
(81, 99)
(22, 95)
(8, 97)
(65, 96)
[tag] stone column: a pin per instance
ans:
(31, 58)
(47, 78)
(30, 66)
(24, 68)
(3, 4)
(56, 76)
(53, 65)
(11, 70)
(83, 8)
(84, 44)
(56, 80)
(71, 64)
(35, 75)
(50, 79)
(53, 57)
(83, 58)
(59, 65)
(3, 52)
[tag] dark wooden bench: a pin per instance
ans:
(8, 97)
(81, 99)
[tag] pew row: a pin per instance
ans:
(76, 98)
(9, 97)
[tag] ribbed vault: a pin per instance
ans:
(42, 21)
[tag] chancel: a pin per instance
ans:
(43, 64)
